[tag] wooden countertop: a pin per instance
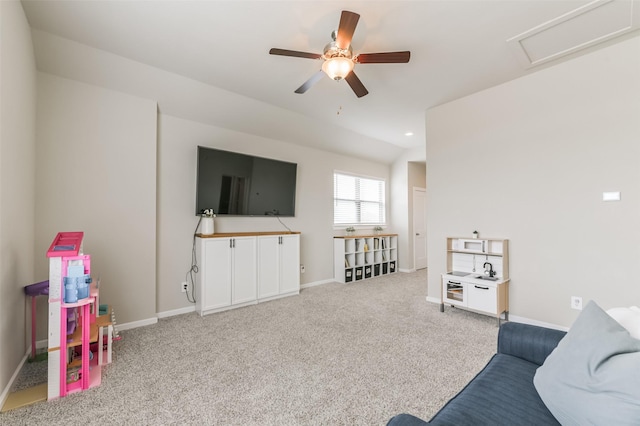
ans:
(246, 234)
(366, 236)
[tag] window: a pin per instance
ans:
(358, 200)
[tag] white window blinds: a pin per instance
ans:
(358, 200)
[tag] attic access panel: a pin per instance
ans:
(588, 25)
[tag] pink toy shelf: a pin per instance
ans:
(77, 350)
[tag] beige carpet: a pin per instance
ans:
(337, 354)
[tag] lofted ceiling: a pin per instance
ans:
(457, 48)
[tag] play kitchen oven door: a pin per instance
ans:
(453, 292)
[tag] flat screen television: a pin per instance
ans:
(244, 185)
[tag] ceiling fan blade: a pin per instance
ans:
(348, 22)
(294, 53)
(384, 58)
(356, 85)
(309, 83)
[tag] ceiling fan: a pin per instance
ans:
(339, 59)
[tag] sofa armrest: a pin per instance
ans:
(529, 342)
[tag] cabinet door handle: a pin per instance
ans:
(481, 288)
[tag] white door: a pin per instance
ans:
(290, 264)
(216, 267)
(419, 228)
(244, 270)
(268, 273)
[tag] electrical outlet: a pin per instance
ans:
(184, 286)
(576, 302)
(302, 269)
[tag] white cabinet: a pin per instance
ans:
(240, 269)
(278, 266)
(228, 272)
(289, 264)
(268, 265)
(243, 270)
(364, 256)
(487, 297)
(213, 288)
(468, 293)
(482, 297)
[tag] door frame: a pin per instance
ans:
(413, 221)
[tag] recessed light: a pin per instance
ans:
(409, 134)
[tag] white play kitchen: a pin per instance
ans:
(477, 276)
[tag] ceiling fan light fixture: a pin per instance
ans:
(338, 67)
(338, 57)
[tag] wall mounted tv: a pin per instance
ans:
(244, 185)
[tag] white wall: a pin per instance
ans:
(177, 142)
(180, 96)
(17, 184)
(528, 160)
(96, 172)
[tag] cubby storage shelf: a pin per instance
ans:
(361, 257)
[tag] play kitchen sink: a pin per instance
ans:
(477, 276)
(459, 274)
(484, 277)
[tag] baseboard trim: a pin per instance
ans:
(530, 321)
(315, 283)
(136, 324)
(174, 312)
(432, 300)
(407, 271)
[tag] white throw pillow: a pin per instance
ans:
(592, 376)
(629, 318)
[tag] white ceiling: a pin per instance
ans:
(457, 48)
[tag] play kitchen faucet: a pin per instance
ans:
(489, 271)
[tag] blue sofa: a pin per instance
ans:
(503, 392)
